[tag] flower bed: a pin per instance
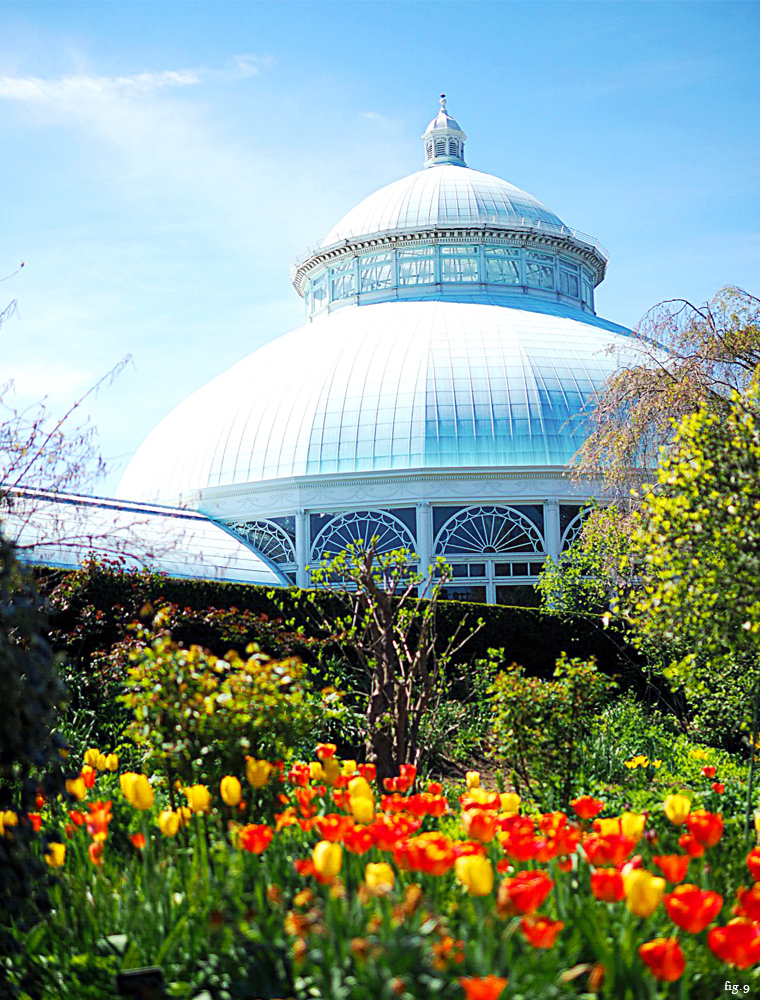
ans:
(311, 881)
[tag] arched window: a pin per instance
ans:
(453, 147)
(430, 150)
(488, 531)
(440, 147)
(268, 538)
(362, 526)
(573, 530)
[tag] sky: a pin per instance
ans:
(162, 162)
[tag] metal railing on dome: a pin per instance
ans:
(461, 222)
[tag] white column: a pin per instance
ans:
(551, 528)
(424, 542)
(302, 548)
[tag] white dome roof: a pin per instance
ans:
(444, 195)
(392, 386)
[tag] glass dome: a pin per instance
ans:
(445, 195)
(392, 386)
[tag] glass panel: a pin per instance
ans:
(477, 569)
(319, 292)
(568, 283)
(586, 292)
(501, 252)
(463, 269)
(375, 258)
(372, 278)
(519, 569)
(449, 251)
(343, 284)
(539, 275)
(569, 265)
(502, 272)
(459, 592)
(520, 597)
(420, 252)
(415, 272)
(534, 255)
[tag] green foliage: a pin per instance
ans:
(200, 715)
(696, 547)
(539, 724)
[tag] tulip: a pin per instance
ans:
(88, 775)
(705, 827)
(608, 850)
(326, 750)
(709, 771)
(738, 943)
(607, 885)
(541, 932)
(480, 825)
(331, 769)
(718, 787)
(632, 825)
(379, 878)
(482, 987)
(255, 837)
(98, 819)
(664, 958)
(362, 810)
(8, 819)
(231, 790)
(91, 757)
(316, 771)
(112, 762)
(673, 866)
(753, 863)
(198, 798)
(348, 768)
(359, 788)
(473, 779)
(367, 771)
(643, 892)
(327, 858)
(609, 827)
(749, 901)
(136, 790)
(510, 802)
(677, 808)
(587, 807)
(95, 851)
(77, 788)
(332, 826)
(691, 845)
(522, 894)
(358, 840)
(168, 822)
(257, 772)
(475, 873)
(692, 908)
(138, 840)
(56, 855)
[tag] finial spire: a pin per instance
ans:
(444, 139)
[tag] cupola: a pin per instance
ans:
(444, 140)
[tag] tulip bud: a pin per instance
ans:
(168, 822)
(198, 798)
(677, 808)
(257, 772)
(91, 757)
(327, 858)
(473, 779)
(56, 855)
(112, 762)
(475, 873)
(379, 878)
(362, 809)
(77, 788)
(643, 891)
(231, 790)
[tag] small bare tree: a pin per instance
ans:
(393, 636)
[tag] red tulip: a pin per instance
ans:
(541, 932)
(692, 908)
(664, 958)
(607, 885)
(673, 866)
(738, 943)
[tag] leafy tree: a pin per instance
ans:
(696, 550)
(392, 637)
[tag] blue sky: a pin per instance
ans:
(162, 163)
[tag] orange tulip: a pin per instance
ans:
(522, 894)
(358, 839)
(664, 958)
(483, 987)
(138, 840)
(98, 819)
(738, 943)
(541, 932)
(587, 806)
(705, 827)
(709, 771)
(326, 750)
(608, 850)
(480, 825)
(255, 837)
(691, 845)
(332, 826)
(95, 850)
(718, 787)
(749, 901)
(367, 771)
(607, 885)
(753, 863)
(692, 908)
(673, 866)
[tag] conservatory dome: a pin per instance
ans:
(433, 398)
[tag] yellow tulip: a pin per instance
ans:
(257, 772)
(473, 779)
(359, 788)
(316, 771)
(136, 790)
(102, 762)
(475, 873)
(56, 855)
(331, 769)
(198, 798)
(380, 878)
(77, 788)
(231, 790)
(7, 818)
(348, 768)
(643, 891)
(327, 858)
(510, 802)
(656, 763)
(362, 810)
(677, 808)
(632, 824)
(168, 822)
(91, 757)
(608, 827)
